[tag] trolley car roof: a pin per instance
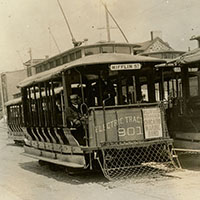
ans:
(187, 58)
(18, 100)
(13, 101)
(108, 58)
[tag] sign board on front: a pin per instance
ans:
(152, 123)
(130, 66)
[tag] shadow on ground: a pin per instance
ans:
(15, 145)
(61, 174)
(85, 177)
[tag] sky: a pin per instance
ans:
(24, 24)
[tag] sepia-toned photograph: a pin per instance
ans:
(99, 99)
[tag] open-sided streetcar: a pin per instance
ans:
(183, 111)
(15, 120)
(119, 123)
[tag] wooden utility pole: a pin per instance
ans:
(2, 99)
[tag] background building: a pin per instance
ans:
(156, 47)
(9, 81)
(30, 66)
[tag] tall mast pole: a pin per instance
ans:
(31, 62)
(31, 57)
(107, 24)
(114, 21)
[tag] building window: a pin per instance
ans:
(29, 72)
(39, 69)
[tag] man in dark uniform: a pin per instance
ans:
(73, 111)
(58, 111)
(75, 118)
(105, 89)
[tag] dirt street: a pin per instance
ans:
(21, 178)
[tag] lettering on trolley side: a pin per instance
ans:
(130, 125)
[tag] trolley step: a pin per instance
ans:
(55, 161)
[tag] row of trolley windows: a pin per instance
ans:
(15, 114)
(44, 111)
(125, 88)
(107, 49)
(41, 107)
(41, 101)
(173, 96)
(59, 61)
(76, 55)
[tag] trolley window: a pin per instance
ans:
(122, 49)
(107, 49)
(92, 50)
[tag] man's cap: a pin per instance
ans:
(73, 97)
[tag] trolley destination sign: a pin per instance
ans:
(130, 66)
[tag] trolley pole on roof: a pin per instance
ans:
(75, 43)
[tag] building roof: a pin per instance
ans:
(145, 45)
(156, 52)
(13, 71)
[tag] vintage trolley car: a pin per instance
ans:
(183, 110)
(116, 128)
